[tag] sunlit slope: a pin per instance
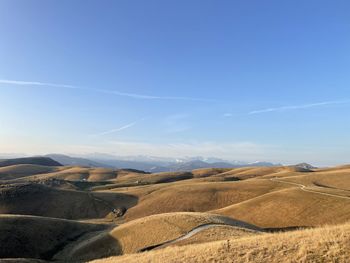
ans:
(266, 172)
(76, 173)
(133, 179)
(325, 244)
(290, 207)
(195, 196)
(338, 178)
(144, 233)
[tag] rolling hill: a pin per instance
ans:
(176, 216)
(45, 161)
(145, 233)
(323, 244)
(38, 237)
(40, 200)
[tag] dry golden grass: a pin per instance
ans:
(38, 237)
(257, 199)
(40, 200)
(22, 170)
(333, 178)
(157, 229)
(216, 233)
(195, 196)
(290, 207)
(324, 244)
(76, 173)
(265, 172)
(136, 235)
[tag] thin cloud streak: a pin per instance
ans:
(36, 83)
(300, 107)
(129, 125)
(113, 92)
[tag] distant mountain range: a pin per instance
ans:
(152, 164)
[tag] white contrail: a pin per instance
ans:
(117, 129)
(36, 83)
(113, 92)
(298, 107)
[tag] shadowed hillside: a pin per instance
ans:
(46, 161)
(41, 200)
(324, 244)
(181, 210)
(38, 237)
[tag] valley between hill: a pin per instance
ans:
(80, 214)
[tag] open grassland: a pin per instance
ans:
(38, 237)
(144, 233)
(40, 200)
(323, 244)
(195, 196)
(206, 215)
(22, 170)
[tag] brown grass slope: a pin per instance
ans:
(133, 179)
(76, 173)
(244, 173)
(40, 200)
(46, 161)
(136, 235)
(290, 207)
(194, 196)
(38, 237)
(21, 170)
(338, 178)
(215, 233)
(324, 244)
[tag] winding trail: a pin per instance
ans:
(186, 236)
(304, 188)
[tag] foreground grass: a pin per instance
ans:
(323, 244)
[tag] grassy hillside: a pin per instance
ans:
(195, 196)
(46, 161)
(183, 210)
(290, 207)
(324, 244)
(143, 233)
(76, 173)
(38, 237)
(40, 200)
(22, 170)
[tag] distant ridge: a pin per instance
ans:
(154, 164)
(305, 166)
(76, 161)
(30, 160)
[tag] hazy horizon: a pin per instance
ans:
(245, 81)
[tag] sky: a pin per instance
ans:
(239, 80)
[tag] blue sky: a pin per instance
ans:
(244, 80)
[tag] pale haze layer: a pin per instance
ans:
(239, 80)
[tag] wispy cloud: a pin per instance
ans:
(300, 107)
(106, 91)
(36, 83)
(124, 127)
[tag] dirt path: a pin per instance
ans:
(191, 233)
(304, 188)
